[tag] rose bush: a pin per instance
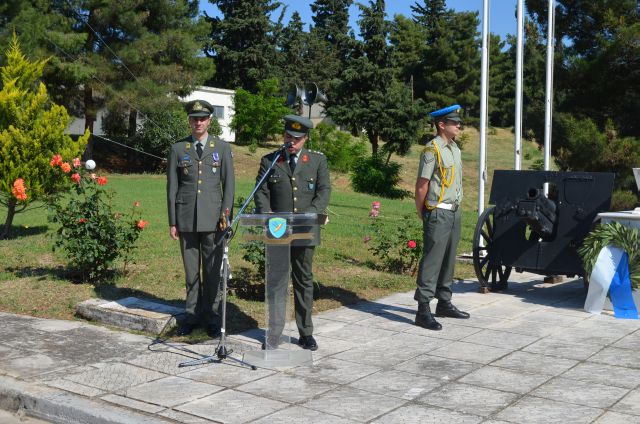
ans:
(91, 234)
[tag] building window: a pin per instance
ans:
(218, 112)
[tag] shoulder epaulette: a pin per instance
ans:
(316, 152)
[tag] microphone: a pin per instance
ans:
(286, 145)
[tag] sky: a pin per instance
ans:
(502, 19)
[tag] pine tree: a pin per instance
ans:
(126, 55)
(242, 43)
(32, 131)
(293, 46)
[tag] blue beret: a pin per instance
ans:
(450, 112)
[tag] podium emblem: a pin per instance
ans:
(277, 227)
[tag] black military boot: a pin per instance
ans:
(446, 309)
(424, 318)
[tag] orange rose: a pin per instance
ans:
(66, 168)
(19, 190)
(141, 224)
(102, 181)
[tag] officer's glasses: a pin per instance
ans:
(454, 123)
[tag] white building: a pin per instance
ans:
(222, 101)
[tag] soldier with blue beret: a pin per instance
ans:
(299, 182)
(200, 190)
(438, 195)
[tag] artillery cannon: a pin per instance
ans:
(528, 231)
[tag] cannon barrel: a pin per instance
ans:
(538, 212)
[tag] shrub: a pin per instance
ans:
(341, 150)
(373, 176)
(91, 234)
(397, 245)
(623, 200)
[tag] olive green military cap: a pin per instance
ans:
(198, 108)
(297, 126)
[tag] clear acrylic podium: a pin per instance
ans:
(279, 231)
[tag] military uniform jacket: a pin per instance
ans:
(199, 190)
(305, 190)
(451, 161)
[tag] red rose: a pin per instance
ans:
(411, 244)
(82, 220)
(141, 224)
(76, 178)
(56, 160)
(102, 181)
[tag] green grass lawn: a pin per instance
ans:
(33, 280)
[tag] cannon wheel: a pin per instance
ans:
(491, 274)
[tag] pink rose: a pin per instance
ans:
(411, 244)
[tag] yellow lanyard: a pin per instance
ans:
(444, 182)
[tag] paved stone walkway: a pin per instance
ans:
(530, 355)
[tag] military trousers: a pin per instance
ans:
(441, 234)
(277, 269)
(202, 259)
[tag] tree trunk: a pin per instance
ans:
(11, 211)
(373, 139)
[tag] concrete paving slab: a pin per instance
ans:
(504, 379)
(605, 374)
(115, 377)
(501, 339)
(231, 406)
(225, 374)
(450, 331)
(632, 341)
(556, 346)
(354, 404)
(630, 404)
(131, 313)
(535, 363)
(471, 352)
(399, 384)
(425, 414)
(170, 391)
(183, 417)
(132, 403)
(286, 388)
(468, 399)
(580, 392)
(617, 418)
(534, 410)
(332, 370)
(299, 414)
(357, 333)
(616, 356)
(437, 367)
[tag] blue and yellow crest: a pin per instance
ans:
(277, 227)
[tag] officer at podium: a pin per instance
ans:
(299, 183)
(438, 195)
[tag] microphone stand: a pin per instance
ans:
(221, 352)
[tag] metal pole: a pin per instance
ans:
(484, 88)
(519, 67)
(549, 87)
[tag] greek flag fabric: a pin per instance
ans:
(611, 274)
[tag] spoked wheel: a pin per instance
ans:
(491, 273)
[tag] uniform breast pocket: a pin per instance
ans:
(311, 184)
(185, 168)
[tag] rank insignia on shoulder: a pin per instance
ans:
(187, 146)
(212, 144)
(317, 152)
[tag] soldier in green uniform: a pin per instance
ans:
(438, 195)
(200, 190)
(299, 182)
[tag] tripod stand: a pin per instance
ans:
(221, 353)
